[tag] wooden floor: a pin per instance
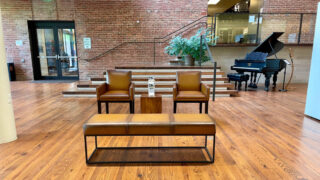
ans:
(260, 135)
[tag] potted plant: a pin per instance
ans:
(189, 49)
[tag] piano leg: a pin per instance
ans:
(239, 85)
(275, 78)
(255, 80)
(267, 82)
(252, 82)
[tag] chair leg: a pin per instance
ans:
(207, 106)
(99, 107)
(107, 108)
(235, 84)
(130, 107)
(174, 107)
(200, 107)
(133, 107)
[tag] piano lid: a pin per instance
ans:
(272, 40)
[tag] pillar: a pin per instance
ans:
(7, 122)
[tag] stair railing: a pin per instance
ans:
(204, 40)
(155, 40)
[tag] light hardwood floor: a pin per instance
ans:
(260, 135)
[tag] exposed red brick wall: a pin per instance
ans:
(290, 6)
(108, 23)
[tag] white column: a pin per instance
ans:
(313, 96)
(7, 122)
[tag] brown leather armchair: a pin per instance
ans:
(119, 89)
(189, 89)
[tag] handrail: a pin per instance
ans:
(154, 39)
(182, 27)
(203, 39)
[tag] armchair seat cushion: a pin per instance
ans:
(115, 95)
(190, 96)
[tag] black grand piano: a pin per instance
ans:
(257, 62)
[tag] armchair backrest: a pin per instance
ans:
(119, 80)
(188, 80)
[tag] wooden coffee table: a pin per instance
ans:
(151, 104)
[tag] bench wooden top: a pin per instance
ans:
(150, 124)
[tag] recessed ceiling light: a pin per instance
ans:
(213, 2)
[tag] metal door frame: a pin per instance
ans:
(55, 25)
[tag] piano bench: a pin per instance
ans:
(238, 78)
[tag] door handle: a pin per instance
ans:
(56, 56)
(72, 57)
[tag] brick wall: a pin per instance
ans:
(111, 22)
(292, 6)
(108, 23)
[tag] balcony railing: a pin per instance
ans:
(251, 28)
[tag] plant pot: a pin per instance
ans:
(188, 60)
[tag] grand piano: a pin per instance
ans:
(257, 61)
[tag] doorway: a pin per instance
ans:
(53, 50)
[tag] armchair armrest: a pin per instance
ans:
(131, 91)
(205, 90)
(175, 92)
(101, 90)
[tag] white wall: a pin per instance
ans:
(313, 96)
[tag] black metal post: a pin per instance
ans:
(284, 80)
(200, 60)
(215, 26)
(211, 37)
(258, 25)
(154, 51)
(214, 80)
(300, 28)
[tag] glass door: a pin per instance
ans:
(54, 50)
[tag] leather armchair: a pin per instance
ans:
(119, 89)
(189, 89)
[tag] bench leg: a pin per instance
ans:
(85, 148)
(95, 141)
(206, 107)
(213, 148)
(107, 108)
(200, 107)
(174, 107)
(99, 107)
(235, 84)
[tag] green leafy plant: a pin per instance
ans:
(179, 46)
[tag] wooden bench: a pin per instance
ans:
(150, 125)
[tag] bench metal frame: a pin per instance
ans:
(211, 158)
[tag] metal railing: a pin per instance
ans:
(155, 41)
(204, 40)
